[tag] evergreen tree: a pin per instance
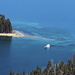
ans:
(73, 59)
(24, 73)
(11, 73)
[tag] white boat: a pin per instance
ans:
(47, 46)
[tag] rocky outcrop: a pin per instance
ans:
(5, 25)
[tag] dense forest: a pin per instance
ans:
(5, 25)
(60, 68)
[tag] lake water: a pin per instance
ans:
(54, 23)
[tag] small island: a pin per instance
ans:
(6, 28)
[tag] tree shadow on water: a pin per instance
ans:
(5, 42)
(5, 54)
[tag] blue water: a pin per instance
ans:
(52, 20)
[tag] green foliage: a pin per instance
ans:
(11, 73)
(60, 68)
(24, 73)
(5, 25)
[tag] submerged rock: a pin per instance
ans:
(5, 25)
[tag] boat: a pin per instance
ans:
(47, 46)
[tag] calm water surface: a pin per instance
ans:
(52, 20)
(23, 53)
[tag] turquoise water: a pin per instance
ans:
(53, 21)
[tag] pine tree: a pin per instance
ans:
(11, 73)
(24, 73)
(73, 59)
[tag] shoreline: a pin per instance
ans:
(14, 33)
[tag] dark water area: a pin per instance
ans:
(5, 42)
(5, 48)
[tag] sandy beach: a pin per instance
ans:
(14, 33)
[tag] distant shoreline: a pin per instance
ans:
(14, 33)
